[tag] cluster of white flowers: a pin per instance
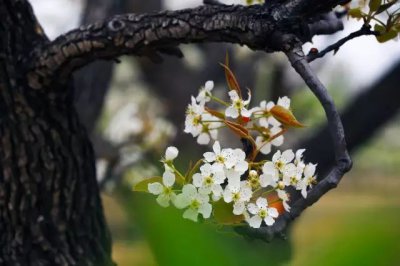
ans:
(255, 190)
(226, 175)
(203, 125)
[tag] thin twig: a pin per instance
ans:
(364, 31)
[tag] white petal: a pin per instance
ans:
(288, 156)
(245, 192)
(232, 112)
(227, 195)
(299, 154)
(219, 178)
(269, 220)
(203, 139)
(171, 153)
(217, 190)
(155, 188)
(204, 190)
(241, 167)
(273, 122)
(198, 180)
(217, 147)
(209, 85)
(304, 192)
(233, 95)
(255, 221)
(284, 102)
(163, 200)
(278, 141)
(205, 209)
(253, 209)
(168, 179)
(191, 215)
(273, 212)
(262, 203)
(245, 113)
(238, 208)
(309, 171)
(181, 201)
(209, 156)
(189, 190)
(276, 156)
(266, 148)
(270, 105)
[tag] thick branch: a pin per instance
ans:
(143, 34)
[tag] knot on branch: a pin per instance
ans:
(116, 25)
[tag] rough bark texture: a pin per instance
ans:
(50, 210)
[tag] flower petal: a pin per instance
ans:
(269, 220)
(189, 190)
(255, 221)
(191, 215)
(287, 156)
(198, 180)
(205, 210)
(238, 208)
(262, 203)
(163, 200)
(171, 153)
(273, 212)
(155, 188)
(252, 208)
(232, 112)
(168, 179)
(203, 139)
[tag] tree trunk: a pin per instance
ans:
(50, 209)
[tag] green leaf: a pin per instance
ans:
(285, 116)
(356, 13)
(387, 36)
(374, 5)
(223, 213)
(142, 185)
(385, 7)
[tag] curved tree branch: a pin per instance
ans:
(266, 28)
(343, 162)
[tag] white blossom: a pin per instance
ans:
(195, 203)
(238, 106)
(270, 175)
(265, 145)
(281, 159)
(239, 195)
(209, 130)
(164, 190)
(261, 212)
(308, 180)
(170, 154)
(194, 112)
(284, 196)
(284, 102)
(209, 181)
(267, 120)
(205, 92)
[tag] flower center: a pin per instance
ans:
(263, 213)
(254, 181)
(279, 164)
(236, 196)
(196, 120)
(293, 180)
(220, 159)
(195, 204)
(167, 190)
(208, 180)
(238, 104)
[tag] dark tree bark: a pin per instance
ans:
(50, 209)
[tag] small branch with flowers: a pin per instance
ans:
(232, 186)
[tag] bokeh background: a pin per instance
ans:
(134, 108)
